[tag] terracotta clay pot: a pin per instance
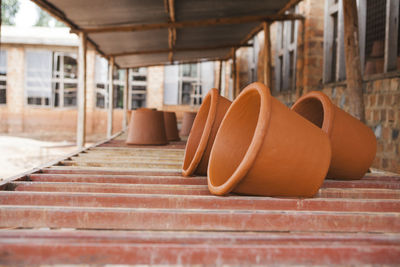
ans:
(378, 48)
(171, 126)
(353, 143)
(264, 148)
(202, 135)
(187, 123)
(146, 127)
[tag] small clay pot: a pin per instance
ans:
(378, 48)
(146, 127)
(264, 148)
(202, 135)
(353, 143)
(171, 126)
(187, 123)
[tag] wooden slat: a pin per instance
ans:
(125, 247)
(70, 170)
(122, 164)
(199, 220)
(110, 188)
(121, 179)
(152, 201)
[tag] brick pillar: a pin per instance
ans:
(155, 87)
(15, 89)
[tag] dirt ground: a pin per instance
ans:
(20, 154)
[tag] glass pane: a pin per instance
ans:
(70, 67)
(375, 36)
(187, 89)
(189, 70)
(70, 94)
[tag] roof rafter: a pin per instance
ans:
(193, 23)
(184, 49)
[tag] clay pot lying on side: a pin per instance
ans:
(187, 123)
(146, 127)
(202, 135)
(264, 148)
(171, 126)
(353, 143)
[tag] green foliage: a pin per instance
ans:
(9, 9)
(44, 19)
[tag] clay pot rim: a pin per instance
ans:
(327, 106)
(256, 141)
(213, 94)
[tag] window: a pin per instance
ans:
(101, 78)
(3, 77)
(51, 78)
(138, 85)
(285, 66)
(334, 60)
(379, 45)
(187, 84)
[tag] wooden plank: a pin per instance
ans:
(135, 159)
(81, 97)
(122, 164)
(154, 201)
(236, 248)
(109, 188)
(362, 25)
(267, 55)
(355, 193)
(353, 63)
(340, 57)
(234, 74)
(110, 107)
(391, 35)
(70, 170)
(120, 179)
(194, 23)
(201, 220)
(328, 44)
(220, 78)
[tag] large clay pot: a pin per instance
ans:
(264, 148)
(353, 143)
(171, 126)
(202, 135)
(146, 127)
(187, 123)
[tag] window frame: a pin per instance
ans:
(4, 78)
(286, 46)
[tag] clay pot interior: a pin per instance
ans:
(312, 110)
(238, 141)
(195, 136)
(202, 135)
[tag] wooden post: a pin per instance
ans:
(110, 98)
(235, 91)
(126, 90)
(353, 62)
(220, 77)
(267, 55)
(81, 95)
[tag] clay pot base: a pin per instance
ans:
(171, 126)
(202, 135)
(353, 143)
(263, 148)
(146, 127)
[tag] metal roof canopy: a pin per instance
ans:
(154, 32)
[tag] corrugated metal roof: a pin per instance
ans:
(137, 208)
(91, 15)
